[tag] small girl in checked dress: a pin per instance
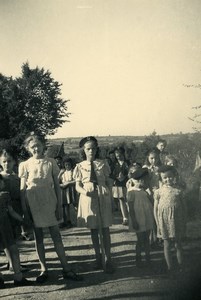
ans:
(170, 214)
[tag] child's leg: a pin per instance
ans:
(13, 253)
(124, 210)
(65, 219)
(167, 253)
(40, 249)
(179, 251)
(96, 245)
(68, 273)
(139, 246)
(147, 245)
(107, 242)
(59, 247)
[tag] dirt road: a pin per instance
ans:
(128, 282)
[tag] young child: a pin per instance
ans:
(67, 184)
(120, 177)
(152, 163)
(130, 183)
(141, 214)
(41, 198)
(160, 149)
(170, 214)
(95, 207)
(12, 185)
(170, 160)
(7, 240)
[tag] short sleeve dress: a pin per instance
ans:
(40, 193)
(88, 208)
(143, 209)
(171, 215)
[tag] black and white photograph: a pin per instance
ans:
(100, 149)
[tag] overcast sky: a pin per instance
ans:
(123, 63)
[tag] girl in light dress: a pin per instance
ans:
(95, 206)
(41, 202)
(67, 184)
(170, 214)
(141, 214)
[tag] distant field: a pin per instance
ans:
(71, 144)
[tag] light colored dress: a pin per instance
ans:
(40, 193)
(68, 194)
(143, 209)
(171, 216)
(88, 209)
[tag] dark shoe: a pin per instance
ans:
(2, 284)
(23, 282)
(72, 275)
(42, 277)
(109, 269)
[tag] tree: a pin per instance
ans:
(31, 102)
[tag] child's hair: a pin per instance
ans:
(67, 160)
(133, 168)
(169, 158)
(157, 162)
(82, 153)
(32, 136)
(8, 152)
(166, 168)
(162, 141)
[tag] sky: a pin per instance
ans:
(123, 64)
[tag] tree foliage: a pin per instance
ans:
(31, 102)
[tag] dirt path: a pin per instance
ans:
(128, 282)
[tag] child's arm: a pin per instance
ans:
(156, 202)
(14, 214)
(131, 200)
(23, 200)
(79, 188)
(57, 189)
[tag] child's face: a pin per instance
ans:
(90, 150)
(119, 155)
(35, 147)
(67, 166)
(161, 146)
(152, 159)
(138, 183)
(7, 163)
(170, 162)
(168, 178)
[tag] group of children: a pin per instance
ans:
(150, 197)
